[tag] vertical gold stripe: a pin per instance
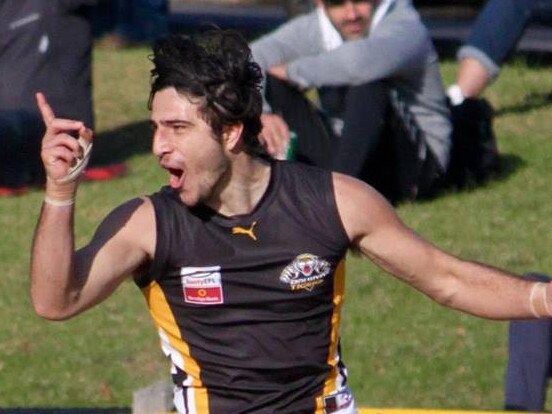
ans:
(338, 296)
(164, 319)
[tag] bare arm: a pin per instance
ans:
(471, 287)
(65, 282)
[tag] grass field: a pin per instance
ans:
(401, 349)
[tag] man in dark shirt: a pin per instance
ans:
(240, 257)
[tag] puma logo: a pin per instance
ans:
(248, 232)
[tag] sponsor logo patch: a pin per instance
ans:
(305, 272)
(202, 285)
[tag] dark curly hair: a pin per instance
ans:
(215, 66)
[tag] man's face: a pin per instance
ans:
(187, 147)
(351, 18)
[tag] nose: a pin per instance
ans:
(351, 11)
(161, 143)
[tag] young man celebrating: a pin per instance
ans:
(385, 117)
(240, 258)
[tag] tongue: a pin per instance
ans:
(174, 181)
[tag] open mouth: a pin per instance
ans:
(176, 177)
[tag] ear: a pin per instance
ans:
(232, 136)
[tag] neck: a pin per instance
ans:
(241, 187)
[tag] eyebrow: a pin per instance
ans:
(170, 122)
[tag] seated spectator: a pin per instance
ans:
(45, 47)
(493, 37)
(384, 115)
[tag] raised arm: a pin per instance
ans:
(474, 288)
(65, 282)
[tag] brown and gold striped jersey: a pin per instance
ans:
(248, 307)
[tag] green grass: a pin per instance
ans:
(401, 350)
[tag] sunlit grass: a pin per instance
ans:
(401, 349)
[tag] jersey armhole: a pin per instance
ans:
(337, 217)
(157, 266)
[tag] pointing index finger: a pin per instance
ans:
(45, 109)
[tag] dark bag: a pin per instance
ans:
(474, 157)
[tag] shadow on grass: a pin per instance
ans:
(509, 164)
(121, 143)
(532, 101)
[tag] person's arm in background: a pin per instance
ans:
(296, 38)
(395, 45)
(292, 40)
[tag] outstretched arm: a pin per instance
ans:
(65, 282)
(471, 287)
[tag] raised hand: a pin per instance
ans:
(63, 156)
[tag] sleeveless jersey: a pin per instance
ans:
(248, 307)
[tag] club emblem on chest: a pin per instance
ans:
(305, 272)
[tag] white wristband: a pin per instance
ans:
(545, 299)
(532, 300)
(538, 300)
(59, 203)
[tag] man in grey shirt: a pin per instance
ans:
(377, 76)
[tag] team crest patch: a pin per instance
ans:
(305, 272)
(202, 285)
